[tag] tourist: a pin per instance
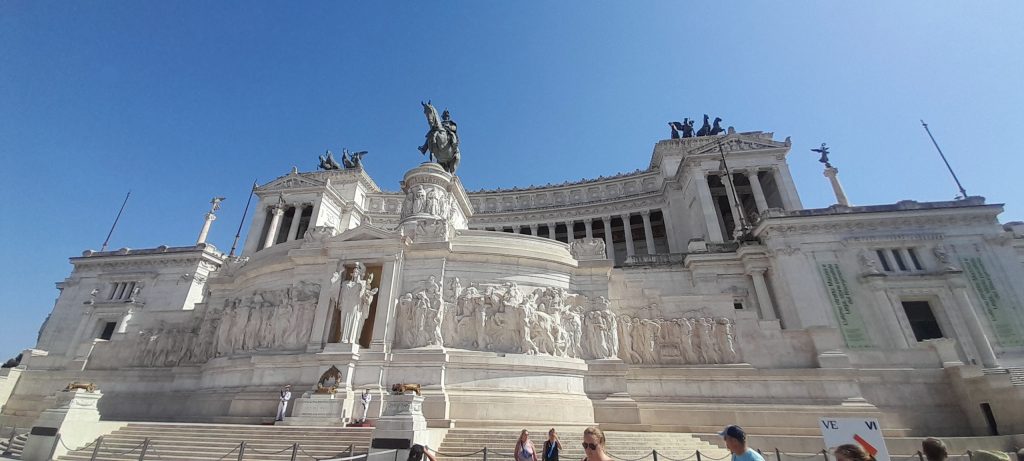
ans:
(736, 442)
(524, 447)
(286, 395)
(552, 446)
(417, 452)
(593, 445)
(934, 450)
(852, 452)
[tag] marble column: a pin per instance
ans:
(648, 231)
(588, 224)
(551, 230)
(764, 299)
(570, 233)
(608, 243)
(707, 205)
(275, 222)
(296, 216)
(314, 217)
(210, 218)
(837, 188)
(533, 229)
(755, 186)
(630, 249)
(988, 356)
(738, 218)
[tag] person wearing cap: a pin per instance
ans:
(286, 395)
(736, 442)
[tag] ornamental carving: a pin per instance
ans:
(588, 249)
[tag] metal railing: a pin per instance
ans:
(148, 449)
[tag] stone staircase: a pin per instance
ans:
(195, 442)
(12, 447)
(1016, 374)
(624, 445)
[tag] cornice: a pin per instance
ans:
(874, 221)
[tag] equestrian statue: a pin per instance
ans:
(442, 139)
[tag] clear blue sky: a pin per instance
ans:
(181, 101)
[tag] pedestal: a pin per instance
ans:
(401, 427)
(321, 410)
(606, 386)
(74, 421)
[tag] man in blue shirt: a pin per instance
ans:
(736, 442)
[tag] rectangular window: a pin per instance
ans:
(885, 261)
(922, 320)
(899, 259)
(108, 330)
(914, 259)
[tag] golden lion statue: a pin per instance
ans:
(90, 387)
(401, 388)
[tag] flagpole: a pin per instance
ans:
(963, 192)
(116, 219)
(242, 222)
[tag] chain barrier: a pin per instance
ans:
(261, 452)
(667, 458)
(228, 453)
(634, 459)
(464, 455)
(705, 456)
(336, 458)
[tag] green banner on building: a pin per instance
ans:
(850, 321)
(1001, 312)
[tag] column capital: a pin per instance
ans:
(756, 270)
(606, 219)
(625, 216)
(645, 213)
(588, 220)
(752, 172)
(277, 210)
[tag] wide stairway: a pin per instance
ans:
(623, 445)
(194, 442)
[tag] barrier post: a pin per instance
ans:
(778, 456)
(655, 454)
(920, 456)
(96, 449)
(241, 450)
(824, 453)
(295, 451)
(145, 448)
(352, 448)
(698, 455)
(485, 453)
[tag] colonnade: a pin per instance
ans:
(550, 230)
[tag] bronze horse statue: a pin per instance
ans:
(442, 139)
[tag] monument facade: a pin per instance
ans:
(690, 294)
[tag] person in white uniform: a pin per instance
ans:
(365, 399)
(282, 407)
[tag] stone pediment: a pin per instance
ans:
(363, 233)
(291, 181)
(735, 144)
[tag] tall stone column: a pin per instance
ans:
(959, 286)
(648, 231)
(293, 230)
(755, 186)
(210, 218)
(609, 245)
(764, 300)
(837, 188)
(275, 222)
(630, 249)
(707, 205)
(384, 323)
(588, 224)
(735, 207)
(551, 230)
(570, 232)
(533, 230)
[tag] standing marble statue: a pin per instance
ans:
(356, 296)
